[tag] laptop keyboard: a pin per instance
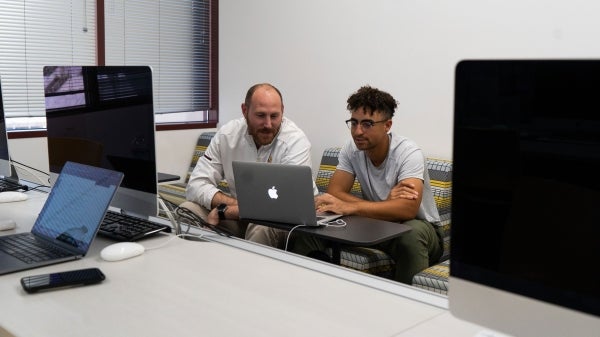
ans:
(28, 249)
(122, 227)
(6, 185)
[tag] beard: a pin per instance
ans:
(263, 136)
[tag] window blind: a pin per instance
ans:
(37, 33)
(171, 36)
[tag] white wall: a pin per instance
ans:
(319, 52)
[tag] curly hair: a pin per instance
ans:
(372, 99)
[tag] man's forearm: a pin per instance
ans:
(387, 210)
(345, 196)
(222, 198)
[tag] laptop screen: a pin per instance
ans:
(76, 205)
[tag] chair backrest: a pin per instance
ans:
(328, 163)
(201, 145)
(199, 150)
(440, 176)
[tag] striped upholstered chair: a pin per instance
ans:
(435, 278)
(374, 261)
(175, 192)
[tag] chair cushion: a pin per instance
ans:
(434, 278)
(201, 145)
(367, 260)
(328, 164)
(174, 192)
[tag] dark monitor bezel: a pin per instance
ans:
(493, 156)
(138, 192)
(5, 163)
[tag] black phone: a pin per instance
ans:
(63, 279)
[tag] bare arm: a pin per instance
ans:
(402, 204)
(340, 186)
(222, 198)
(404, 189)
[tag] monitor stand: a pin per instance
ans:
(14, 180)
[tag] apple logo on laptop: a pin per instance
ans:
(273, 193)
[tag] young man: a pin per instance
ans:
(395, 184)
(262, 134)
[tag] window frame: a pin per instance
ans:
(212, 114)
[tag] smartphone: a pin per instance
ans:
(63, 279)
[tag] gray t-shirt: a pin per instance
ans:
(404, 160)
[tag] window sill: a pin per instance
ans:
(38, 133)
(185, 126)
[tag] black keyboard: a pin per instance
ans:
(122, 227)
(7, 185)
(28, 249)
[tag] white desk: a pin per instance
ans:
(189, 288)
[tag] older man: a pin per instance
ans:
(263, 134)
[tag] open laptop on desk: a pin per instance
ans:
(277, 193)
(67, 223)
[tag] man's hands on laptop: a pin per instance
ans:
(328, 203)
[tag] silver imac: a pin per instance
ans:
(525, 229)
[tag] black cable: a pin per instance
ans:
(40, 186)
(29, 167)
(193, 219)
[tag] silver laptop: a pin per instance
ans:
(277, 193)
(67, 223)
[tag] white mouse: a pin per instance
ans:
(121, 251)
(6, 224)
(11, 196)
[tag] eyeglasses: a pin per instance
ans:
(365, 124)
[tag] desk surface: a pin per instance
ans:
(191, 288)
(359, 231)
(166, 177)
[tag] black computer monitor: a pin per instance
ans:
(525, 230)
(104, 116)
(5, 168)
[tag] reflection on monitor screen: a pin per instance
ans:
(104, 116)
(525, 230)
(4, 156)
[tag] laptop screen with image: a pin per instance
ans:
(67, 223)
(73, 216)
